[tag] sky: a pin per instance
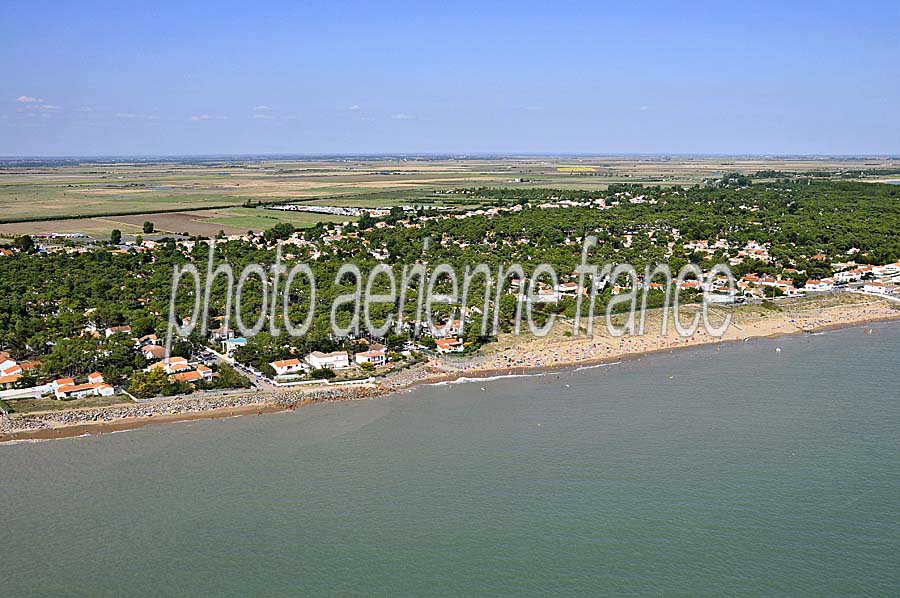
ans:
(304, 77)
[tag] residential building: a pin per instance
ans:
(338, 360)
(449, 345)
(287, 366)
(376, 355)
(117, 329)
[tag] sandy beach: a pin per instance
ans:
(510, 355)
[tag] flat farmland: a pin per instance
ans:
(204, 222)
(205, 196)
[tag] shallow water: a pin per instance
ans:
(738, 470)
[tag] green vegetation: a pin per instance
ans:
(261, 219)
(22, 406)
(50, 303)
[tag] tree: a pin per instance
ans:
(228, 377)
(115, 237)
(322, 374)
(25, 244)
(366, 221)
(148, 227)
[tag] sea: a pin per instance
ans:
(761, 468)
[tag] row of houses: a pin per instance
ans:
(11, 370)
(180, 369)
(68, 388)
(376, 355)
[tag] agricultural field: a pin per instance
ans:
(203, 197)
(204, 222)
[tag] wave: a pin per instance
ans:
(467, 380)
(596, 365)
(36, 440)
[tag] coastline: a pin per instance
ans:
(531, 361)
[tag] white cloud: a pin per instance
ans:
(644, 108)
(261, 107)
(84, 109)
(200, 117)
(49, 107)
(354, 107)
(262, 116)
(136, 116)
(29, 100)
(402, 116)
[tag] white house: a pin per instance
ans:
(376, 355)
(116, 329)
(60, 382)
(567, 289)
(878, 288)
(79, 391)
(450, 328)
(449, 345)
(230, 344)
(152, 352)
(150, 339)
(175, 364)
(338, 360)
(286, 366)
(6, 361)
(826, 284)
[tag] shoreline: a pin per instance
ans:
(289, 401)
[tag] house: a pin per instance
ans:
(850, 275)
(878, 288)
(449, 345)
(150, 339)
(175, 364)
(95, 378)
(230, 344)
(450, 328)
(286, 366)
(376, 355)
(11, 371)
(6, 361)
(826, 284)
(9, 381)
(60, 382)
(545, 295)
(337, 360)
(567, 289)
(117, 329)
(205, 372)
(153, 352)
(79, 391)
(192, 376)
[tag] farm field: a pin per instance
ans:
(205, 196)
(204, 222)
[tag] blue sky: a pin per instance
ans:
(94, 78)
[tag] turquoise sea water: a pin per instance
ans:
(740, 471)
